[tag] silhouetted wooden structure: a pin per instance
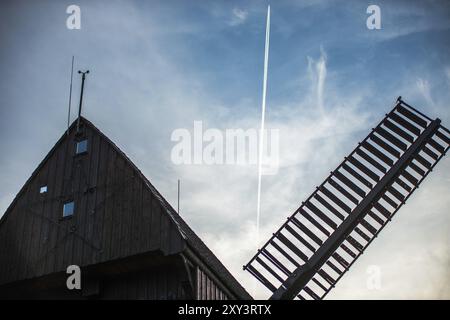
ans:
(320, 241)
(87, 204)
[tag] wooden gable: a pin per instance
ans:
(115, 215)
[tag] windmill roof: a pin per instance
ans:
(190, 237)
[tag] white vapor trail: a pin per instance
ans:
(263, 113)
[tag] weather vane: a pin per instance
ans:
(83, 77)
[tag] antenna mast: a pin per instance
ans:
(81, 96)
(70, 97)
(178, 209)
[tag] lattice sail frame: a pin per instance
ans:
(317, 244)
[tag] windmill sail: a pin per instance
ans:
(317, 244)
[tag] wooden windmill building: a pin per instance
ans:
(87, 204)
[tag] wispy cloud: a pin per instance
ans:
(424, 89)
(447, 74)
(318, 74)
(238, 16)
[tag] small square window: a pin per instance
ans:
(43, 189)
(68, 209)
(82, 146)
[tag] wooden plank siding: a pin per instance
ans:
(148, 276)
(110, 200)
(207, 289)
(118, 215)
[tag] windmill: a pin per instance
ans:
(132, 244)
(320, 241)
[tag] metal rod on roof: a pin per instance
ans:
(81, 96)
(70, 96)
(178, 209)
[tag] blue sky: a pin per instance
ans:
(159, 65)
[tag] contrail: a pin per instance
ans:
(263, 113)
